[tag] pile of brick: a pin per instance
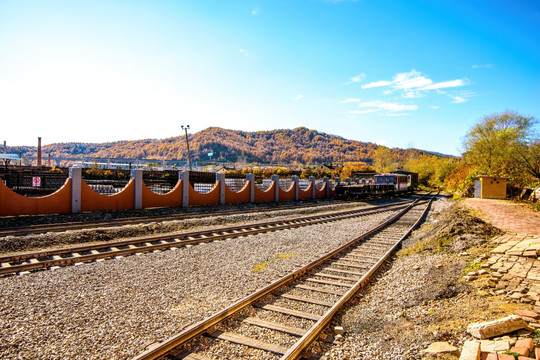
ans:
(509, 339)
(515, 269)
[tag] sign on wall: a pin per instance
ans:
(36, 181)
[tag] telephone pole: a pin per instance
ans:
(187, 142)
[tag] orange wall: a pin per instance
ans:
(12, 204)
(92, 201)
(305, 194)
(233, 197)
(172, 198)
(332, 192)
(265, 196)
(286, 195)
(210, 198)
(320, 193)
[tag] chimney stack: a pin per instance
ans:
(5, 147)
(39, 151)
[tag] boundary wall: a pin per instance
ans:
(76, 196)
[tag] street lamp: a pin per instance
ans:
(187, 142)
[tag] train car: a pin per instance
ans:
(400, 182)
(382, 185)
(413, 178)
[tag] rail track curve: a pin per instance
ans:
(325, 284)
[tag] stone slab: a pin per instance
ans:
(490, 329)
(470, 351)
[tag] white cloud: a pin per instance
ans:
(433, 107)
(396, 114)
(356, 78)
(446, 84)
(244, 52)
(410, 80)
(487, 66)
(367, 111)
(458, 99)
(376, 84)
(411, 94)
(349, 100)
(412, 84)
(298, 97)
(388, 106)
(255, 11)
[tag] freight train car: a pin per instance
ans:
(383, 185)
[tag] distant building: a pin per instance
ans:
(7, 158)
(490, 187)
(224, 169)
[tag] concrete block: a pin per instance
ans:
(490, 329)
(470, 351)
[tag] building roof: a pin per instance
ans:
(488, 176)
(9, 157)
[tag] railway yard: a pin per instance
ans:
(132, 298)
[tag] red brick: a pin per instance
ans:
(527, 313)
(525, 358)
(491, 356)
(506, 357)
(521, 350)
(537, 353)
(526, 343)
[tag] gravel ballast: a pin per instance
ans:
(17, 244)
(112, 309)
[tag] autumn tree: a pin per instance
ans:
(529, 157)
(503, 144)
(432, 170)
(383, 159)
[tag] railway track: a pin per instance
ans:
(285, 319)
(22, 263)
(78, 225)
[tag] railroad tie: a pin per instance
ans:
(323, 290)
(337, 277)
(250, 342)
(291, 330)
(286, 311)
(190, 356)
(325, 282)
(349, 264)
(344, 271)
(307, 300)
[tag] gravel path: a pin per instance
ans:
(112, 309)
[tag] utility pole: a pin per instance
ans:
(187, 142)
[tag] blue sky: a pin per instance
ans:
(399, 73)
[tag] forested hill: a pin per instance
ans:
(300, 146)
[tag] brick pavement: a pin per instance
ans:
(506, 215)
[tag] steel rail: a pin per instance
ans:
(146, 244)
(78, 225)
(200, 328)
(311, 335)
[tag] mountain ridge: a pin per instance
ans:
(293, 146)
